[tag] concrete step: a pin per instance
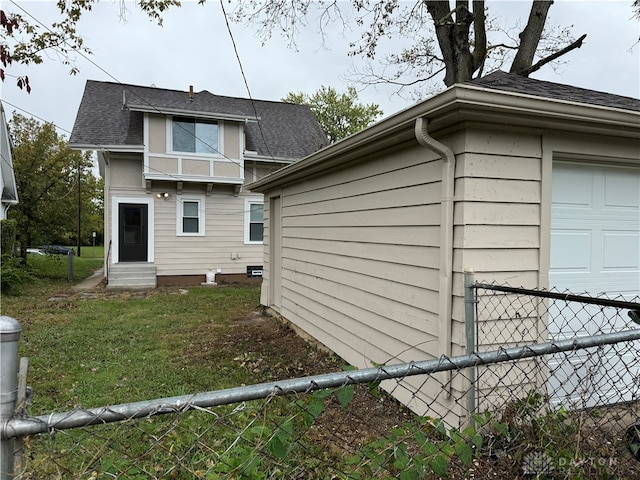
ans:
(132, 276)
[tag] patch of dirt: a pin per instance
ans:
(270, 350)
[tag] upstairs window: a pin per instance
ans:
(195, 135)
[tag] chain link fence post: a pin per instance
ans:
(9, 335)
(70, 256)
(470, 331)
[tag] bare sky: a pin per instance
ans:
(194, 48)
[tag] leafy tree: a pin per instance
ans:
(457, 37)
(24, 41)
(339, 114)
(46, 170)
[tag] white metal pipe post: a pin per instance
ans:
(9, 335)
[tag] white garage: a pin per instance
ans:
(595, 249)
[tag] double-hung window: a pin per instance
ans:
(253, 221)
(190, 216)
(194, 135)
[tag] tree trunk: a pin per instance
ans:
(530, 37)
(462, 49)
(441, 15)
(480, 34)
(453, 38)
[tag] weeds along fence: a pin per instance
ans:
(557, 399)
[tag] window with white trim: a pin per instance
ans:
(194, 135)
(190, 216)
(253, 220)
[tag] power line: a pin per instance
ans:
(125, 85)
(244, 77)
(98, 146)
(147, 102)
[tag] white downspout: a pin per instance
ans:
(446, 233)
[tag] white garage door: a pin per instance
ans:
(595, 248)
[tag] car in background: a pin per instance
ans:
(55, 250)
(35, 251)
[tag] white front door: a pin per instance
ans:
(595, 249)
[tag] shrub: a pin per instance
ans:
(8, 230)
(12, 273)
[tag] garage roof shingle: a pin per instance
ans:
(508, 82)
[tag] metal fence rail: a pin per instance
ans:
(508, 417)
(20, 427)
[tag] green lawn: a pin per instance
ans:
(56, 267)
(97, 352)
(121, 348)
(91, 252)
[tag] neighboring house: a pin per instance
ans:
(175, 165)
(7, 175)
(526, 182)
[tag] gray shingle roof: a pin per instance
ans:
(104, 119)
(515, 83)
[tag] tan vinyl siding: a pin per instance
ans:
(360, 257)
(264, 170)
(497, 231)
(224, 228)
(506, 142)
(499, 195)
(196, 167)
(401, 274)
(232, 140)
(126, 172)
(161, 159)
(157, 134)
(400, 234)
(496, 236)
(163, 165)
(226, 169)
(256, 170)
(500, 166)
(343, 305)
(493, 213)
(498, 190)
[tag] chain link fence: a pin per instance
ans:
(541, 401)
(582, 379)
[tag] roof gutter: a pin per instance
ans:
(108, 148)
(446, 232)
(371, 139)
(462, 102)
(192, 113)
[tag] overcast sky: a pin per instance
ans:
(194, 48)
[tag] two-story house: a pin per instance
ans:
(175, 165)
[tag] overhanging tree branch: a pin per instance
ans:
(530, 37)
(551, 58)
